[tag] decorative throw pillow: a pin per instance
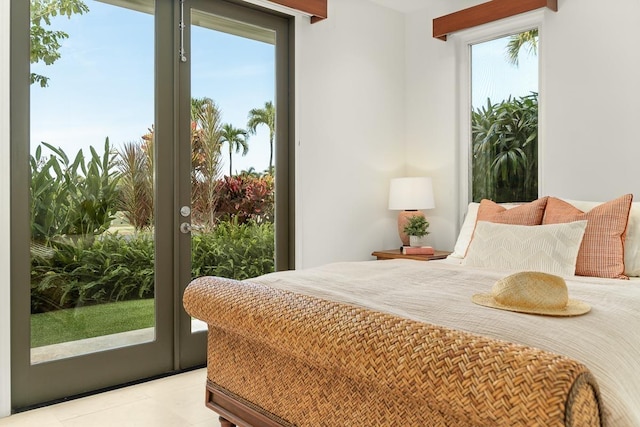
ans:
(529, 212)
(631, 239)
(550, 249)
(468, 225)
(602, 250)
(526, 214)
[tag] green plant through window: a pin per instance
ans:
(504, 133)
(505, 150)
(79, 258)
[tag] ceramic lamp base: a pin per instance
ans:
(403, 217)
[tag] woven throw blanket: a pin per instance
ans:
(606, 340)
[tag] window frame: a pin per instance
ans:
(463, 42)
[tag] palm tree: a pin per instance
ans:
(520, 40)
(250, 173)
(206, 147)
(265, 116)
(236, 138)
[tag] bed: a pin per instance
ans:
(399, 342)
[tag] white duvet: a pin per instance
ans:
(606, 340)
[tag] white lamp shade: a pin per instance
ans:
(411, 193)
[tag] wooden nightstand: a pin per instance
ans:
(395, 254)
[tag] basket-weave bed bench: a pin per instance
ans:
(277, 358)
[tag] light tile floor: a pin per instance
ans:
(176, 401)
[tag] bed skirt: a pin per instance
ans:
(278, 358)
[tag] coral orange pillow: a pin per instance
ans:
(602, 250)
(526, 214)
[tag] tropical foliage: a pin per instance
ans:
(264, 116)
(118, 268)
(505, 150)
(71, 198)
(239, 251)
(45, 42)
(525, 39)
(245, 198)
(206, 146)
(81, 197)
(135, 163)
(111, 268)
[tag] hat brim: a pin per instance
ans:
(573, 307)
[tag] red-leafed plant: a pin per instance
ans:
(245, 197)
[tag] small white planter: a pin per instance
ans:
(417, 241)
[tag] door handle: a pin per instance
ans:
(187, 228)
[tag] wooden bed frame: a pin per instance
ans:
(280, 359)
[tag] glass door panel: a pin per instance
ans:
(92, 186)
(232, 119)
(88, 309)
(235, 65)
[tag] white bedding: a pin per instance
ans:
(606, 340)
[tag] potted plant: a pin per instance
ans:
(416, 229)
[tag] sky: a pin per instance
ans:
(103, 84)
(493, 77)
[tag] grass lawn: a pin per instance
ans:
(92, 321)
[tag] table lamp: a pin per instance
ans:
(408, 195)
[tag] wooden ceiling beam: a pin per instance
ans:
(485, 13)
(316, 8)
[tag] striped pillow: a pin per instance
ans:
(602, 249)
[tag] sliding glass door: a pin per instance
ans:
(123, 168)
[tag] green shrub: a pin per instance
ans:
(116, 268)
(232, 250)
(77, 273)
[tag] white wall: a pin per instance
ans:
(5, 228)
(431, 121)
(593, 100)
(589, 113)
(350, 131)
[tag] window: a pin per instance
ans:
(504, 118)
(499, 98)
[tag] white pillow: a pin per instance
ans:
(551, 248)
(468, 225)
(632, 239)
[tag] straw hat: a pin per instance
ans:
(532, 292)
